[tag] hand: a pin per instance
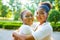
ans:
(13, 34)
(17, 36)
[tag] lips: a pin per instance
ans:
(30, 20)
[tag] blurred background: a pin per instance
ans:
(10, 15)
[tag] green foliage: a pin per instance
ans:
(57, 5)
(9, 14)
(4, 11)
(11, 2)
(0, 5)
(16, 8)
(57, 27)
(32, 7)
(17, 24)
(47, 0)
(54, 16)
(17, 14)
(10, 24)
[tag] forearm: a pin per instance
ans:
(29, 37)
(25, 37)
(17, 36)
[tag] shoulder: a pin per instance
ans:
(48, 26)
(24, 27)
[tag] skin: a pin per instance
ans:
(28, 18)
(41, 17)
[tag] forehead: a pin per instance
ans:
(27, 13)
(41, 11)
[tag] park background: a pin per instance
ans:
(10, 15)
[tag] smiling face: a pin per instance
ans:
(41, 15)
(28, 18)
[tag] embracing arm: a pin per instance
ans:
(23, 37)
(29, 37)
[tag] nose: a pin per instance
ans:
(37, 15)
(30, 17)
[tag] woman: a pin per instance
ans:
(44, 29)
(27, 19)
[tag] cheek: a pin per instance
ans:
(25, 20)
(44, 18)
(38, 18)
(33, 19)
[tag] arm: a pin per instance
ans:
(29, 37)
(23, 37)
(17, 36)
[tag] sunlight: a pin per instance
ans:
(25, 1)
(5, 2)
(22, 1)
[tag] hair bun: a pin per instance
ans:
(46, 3)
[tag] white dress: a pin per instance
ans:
(43, 32)
(25, 29)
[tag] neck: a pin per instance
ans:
(27, 24)
(42, 22)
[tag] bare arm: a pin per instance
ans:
(29, 37)
(23, 37)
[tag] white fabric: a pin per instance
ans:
(43, 32)
(35, 25)
(25, 29)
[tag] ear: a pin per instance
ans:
(47, 15)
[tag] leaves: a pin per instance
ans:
(54, 16)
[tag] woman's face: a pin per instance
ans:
(28, 18)
(41, 16)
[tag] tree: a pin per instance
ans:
(3, 9)
(16, 8)
(9, 14)
(32, 8)
(0, 6)
(48, 0)
(54, 16)
(57, 5)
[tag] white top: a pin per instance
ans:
(43, 32)
(25, 29)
